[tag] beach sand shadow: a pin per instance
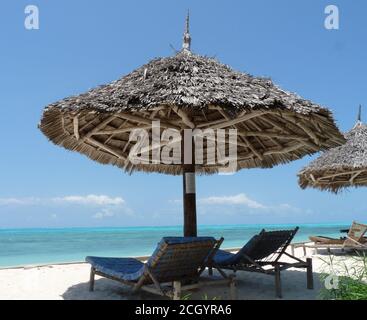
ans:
(250, 286)
(106, 289)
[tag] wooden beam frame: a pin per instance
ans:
(219, 124)
(143, 120)
(106, 148)
(286, 149)
(98, 127)
(299, 123)
(120, 130)
(246, 142)
(271, 134)
(337, 174)
(76, 127)
(185, 118)
(354, 176)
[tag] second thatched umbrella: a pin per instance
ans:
(340, 167)
(188, 91)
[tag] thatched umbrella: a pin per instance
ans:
(189, 91)
(340, 167)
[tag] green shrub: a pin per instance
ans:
(348, 289)
(351, 276)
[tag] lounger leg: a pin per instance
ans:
(176, 290)
(304, 251)
(232, 288)
(91, 279)
(278, 285)
(292, 249)
(210, 271)
(309, 274)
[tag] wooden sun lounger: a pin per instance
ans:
(175, 266)
(354, 240)
(263, 254)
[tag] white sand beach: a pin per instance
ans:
(70, 282)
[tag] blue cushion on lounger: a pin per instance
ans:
(128, 269)
(228, 258)
(180, 240)
(224, 257)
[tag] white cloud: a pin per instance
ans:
(104, 213)
(91, 199)
(286, 209)
(19, 201)
(239, 199)
(113, 211)
(235, 204)
(104, 206)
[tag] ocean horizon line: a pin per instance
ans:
(311, 224)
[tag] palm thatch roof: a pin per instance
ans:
(339, 167)
(191, 91)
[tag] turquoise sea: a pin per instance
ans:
(20, 247)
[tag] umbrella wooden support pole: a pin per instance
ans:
(189, 185)
(189, 201)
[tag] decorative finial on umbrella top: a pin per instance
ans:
(359, 117)
(186, 46)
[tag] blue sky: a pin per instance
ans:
(82, 44)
